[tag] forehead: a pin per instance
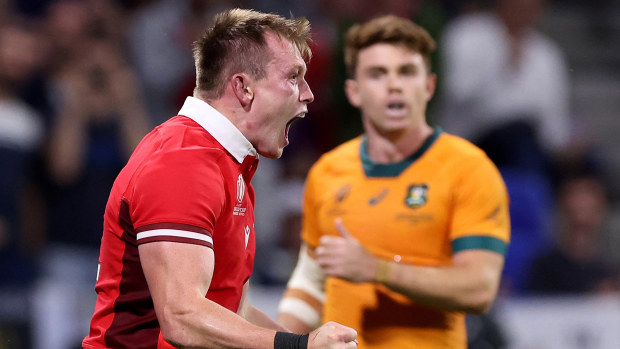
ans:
(383, 54)
(284, 53)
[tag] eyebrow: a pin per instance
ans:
(382, 68)
(376, 68)
(300, 68)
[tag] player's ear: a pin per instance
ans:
(241, 87)
(351, 88)
(431, 85)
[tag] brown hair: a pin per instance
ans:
(236, 43)
(388, 29)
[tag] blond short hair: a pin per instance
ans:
(236, 43)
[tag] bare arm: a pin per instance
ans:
(179, 276)
(69, 135)
(301, 307)
(469, 284)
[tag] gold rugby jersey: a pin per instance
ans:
(445, 198)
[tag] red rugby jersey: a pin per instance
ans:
(188, 181)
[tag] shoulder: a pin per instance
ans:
(178, 179)
(185, 131)
(181, 136)
(455, 149)
(463, 160)
(342, 158)
(178, 151)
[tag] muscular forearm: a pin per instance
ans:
(179, 276)
(209, 325)
(294, 324)
(301, 307)
(469, 284)
(257, 317)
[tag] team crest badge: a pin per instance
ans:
(416, 195)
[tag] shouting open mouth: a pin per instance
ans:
(290, 122)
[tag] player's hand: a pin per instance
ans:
(332, 335)
(344, 257)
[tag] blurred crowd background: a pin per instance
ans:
(535, 83)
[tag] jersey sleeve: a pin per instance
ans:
(310, 232)
(481, 218)
(178, 196)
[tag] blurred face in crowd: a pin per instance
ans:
(67, 22)
(20, 54)
(280, 98)
(583, 203)
(392, 87)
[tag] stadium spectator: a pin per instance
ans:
(575, 263)
(404, 227)
(178, 243)
(505, 84)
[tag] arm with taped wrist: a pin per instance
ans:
(285, 340)
(300, 309)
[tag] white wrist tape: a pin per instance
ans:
(310, 280)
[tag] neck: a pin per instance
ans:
(392, 148)
(226, 106)
(516, 26)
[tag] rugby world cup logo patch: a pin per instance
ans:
(240, 188)
(417, 195)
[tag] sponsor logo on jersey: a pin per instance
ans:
(495, 216)
(247, 235)
(415, 219)
(340, 195)
(416, 195)
(378, 197)
(342, 192)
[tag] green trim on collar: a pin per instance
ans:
(479, 242)
(372, 169)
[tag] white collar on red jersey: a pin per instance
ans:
(219, 127)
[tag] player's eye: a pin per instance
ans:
(376, 73)
(409, 70)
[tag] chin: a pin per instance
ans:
(271, 154)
